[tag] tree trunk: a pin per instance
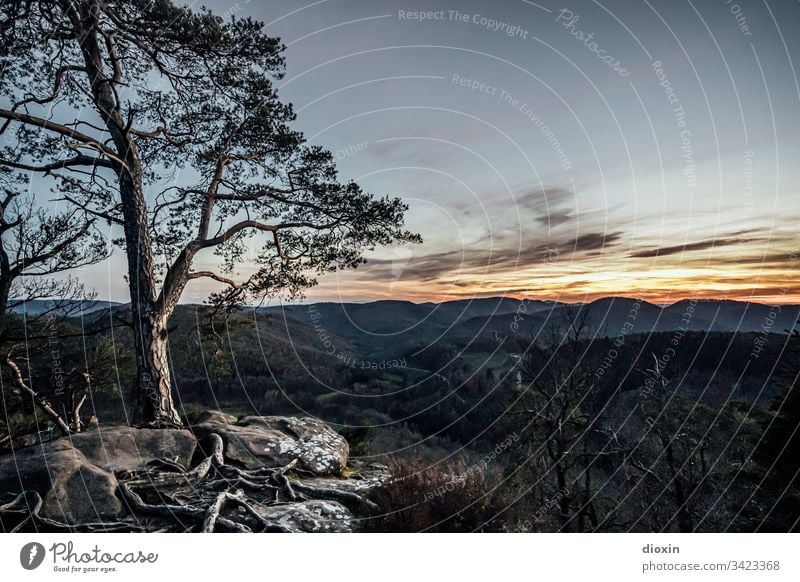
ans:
(155, 404)
(5, 280)
(149, 316)
(683, 517)
(564, 501)
(5, 291)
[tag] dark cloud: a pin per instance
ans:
(592, 241)
(722, 241)
(774, 260)
(502, 258)
(556, 218)
(542, 199)
(551, 206)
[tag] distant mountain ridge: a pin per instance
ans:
(386, 323)
(389, 325)
(58, 306)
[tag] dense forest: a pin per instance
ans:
(563, 431)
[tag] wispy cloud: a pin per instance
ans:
(689, 247)
(592, 241)
(504, 257)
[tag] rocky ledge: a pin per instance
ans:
(275, 441)
(258, 473)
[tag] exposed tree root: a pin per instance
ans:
(213, 511)
(213, 496)
(346, 497)
(27, 505)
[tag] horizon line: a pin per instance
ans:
(440, 302)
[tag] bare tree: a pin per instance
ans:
(554, 401)
(35, 246)
(672, 454)
(111, 99)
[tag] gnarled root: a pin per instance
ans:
(213, 496)
(26, 506)
(346, 497)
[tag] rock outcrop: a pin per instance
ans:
(74, 490)
(275, 441)
(124, 448)
(291, 470)
(362, 479)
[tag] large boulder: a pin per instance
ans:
(124, 448)
(275, 441)
(310, 516)
(73, 489)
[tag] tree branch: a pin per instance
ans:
(79, 160)
(97, 213)
(19, 269)
(212, 275)
(256, 225)
(58, 128)
(19, 382)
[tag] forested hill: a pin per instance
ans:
(380, 328)
(446, 382)
(379, 325)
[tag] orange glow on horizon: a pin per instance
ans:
(661, 280)
(656, 289)
(657, 297)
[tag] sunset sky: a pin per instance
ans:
(658, 157)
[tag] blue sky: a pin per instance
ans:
(535, 167)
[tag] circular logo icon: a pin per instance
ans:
(31, 555)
